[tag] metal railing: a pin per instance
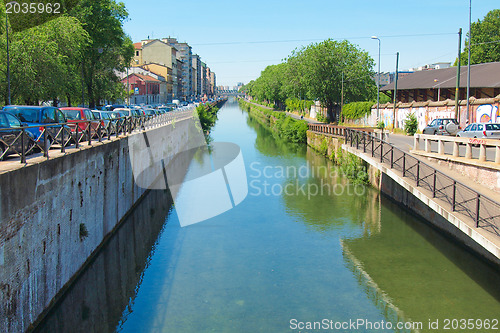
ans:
(483, 211)
(23, 142)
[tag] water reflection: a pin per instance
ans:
(96, 301)
(412, 269)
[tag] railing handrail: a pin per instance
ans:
(124, 125)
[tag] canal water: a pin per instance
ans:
(305, 251)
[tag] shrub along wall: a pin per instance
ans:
(285, 127)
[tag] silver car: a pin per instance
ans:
(442, 126)
(481, 130)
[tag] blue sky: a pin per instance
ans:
(239, 39)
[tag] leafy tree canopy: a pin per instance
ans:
(485, 40)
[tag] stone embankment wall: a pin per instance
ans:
(55, 215)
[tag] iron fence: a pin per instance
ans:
(482, 210)
(26, 140)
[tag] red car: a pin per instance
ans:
(78, 115)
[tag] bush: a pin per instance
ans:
(380, 125)
(321, 118)
(356, 110)
(411, 124)
(295, 104)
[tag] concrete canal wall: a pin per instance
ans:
(55, 215)
(403, 192)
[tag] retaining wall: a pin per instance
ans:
(54, 215)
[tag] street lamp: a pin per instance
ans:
(8, 57)
(378, 79)
(438, 84)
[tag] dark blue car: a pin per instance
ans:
(11, 140)
(37, 116)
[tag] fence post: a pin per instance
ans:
(404, 164)
(381, 151)
(23, 151)
(364, 142)
(45, 143)
(63, 146)
(418, 172)
(434, 185)
(392, 157)
(77, 139)
(478, 204)
(453, 196)
(373, 145)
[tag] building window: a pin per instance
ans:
(136, 53)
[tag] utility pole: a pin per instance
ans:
(342, 96)
(8, 58)
(457, 89)
(395, 93)
(468, 64)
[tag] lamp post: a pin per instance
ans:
(378, 79)
(438, 84)
(8, 56)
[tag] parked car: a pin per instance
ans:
(149, 112)
(125, 112)
(442, 126)
(75, 115)
(10, 136)
(107, 122)
(113, 106)
(37, 116)
(480, 130)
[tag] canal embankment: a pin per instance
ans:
(55, 216)
(417, 199)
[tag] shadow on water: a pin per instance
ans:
(96, 300)
(413, 269)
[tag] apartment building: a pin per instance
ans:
(185, 54)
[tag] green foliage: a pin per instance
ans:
(111, 50)
(295, 104)
(291, 129)
(485, 40)
(316, 72)
(380, 125)
(356, 110)
(350, 165)
(321, 118)
(285, 127)
(207, 114)
(44, 61)
(411, 124)
(50, 54)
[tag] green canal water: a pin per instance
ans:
(321, 256)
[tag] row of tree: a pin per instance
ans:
(331, 72)
(69, 56)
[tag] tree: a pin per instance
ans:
(323, 67)
(42, 63)
(110, 49)
(485, 40)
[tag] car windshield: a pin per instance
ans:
(25, 115)
(493, 127)
(72, 114)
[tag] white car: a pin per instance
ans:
(480, 130)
